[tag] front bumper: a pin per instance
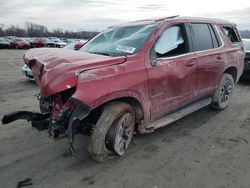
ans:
(42, 121)
(38, 120)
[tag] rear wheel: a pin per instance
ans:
(222, 95)
(113, 132)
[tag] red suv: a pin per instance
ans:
(133, 77)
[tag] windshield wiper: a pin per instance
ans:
(101, 53)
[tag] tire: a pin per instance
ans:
(223, 94)
(114, 129)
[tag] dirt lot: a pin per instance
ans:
(206, 149)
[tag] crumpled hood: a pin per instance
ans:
(56, 70)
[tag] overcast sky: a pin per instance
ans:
(79, 15)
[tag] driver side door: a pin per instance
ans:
(172, 72)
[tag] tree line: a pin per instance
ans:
(36, 30)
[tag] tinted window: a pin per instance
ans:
(202, 37)
(231, 34)
(214, 37)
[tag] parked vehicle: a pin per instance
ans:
(246, 72)
(57, 42)
(4, 43)
(76, 45)
(42, 42)
(138, 76)
(27, 72)
(29, 39)
(19, 43)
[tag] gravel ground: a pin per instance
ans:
(207, 149)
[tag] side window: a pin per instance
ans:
(202, 37)
(172, 42)
(215, 38)
(231, 34)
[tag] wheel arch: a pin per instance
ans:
(233, 72)
(134, 102)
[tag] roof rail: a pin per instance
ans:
(169, 17)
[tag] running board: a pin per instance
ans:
(170, 118)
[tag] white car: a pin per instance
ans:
(27, 72)
(57, 42)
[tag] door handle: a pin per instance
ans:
(190, 64)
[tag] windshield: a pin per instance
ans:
(57, 40)
(119, 41)
(19, 39)
(246, 45)
(44, 40)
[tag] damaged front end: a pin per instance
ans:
(60, 114)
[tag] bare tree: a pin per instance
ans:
(35, 30)
(15, 31)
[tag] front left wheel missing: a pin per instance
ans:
(113, 132)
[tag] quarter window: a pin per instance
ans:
(215, 39)
(231, 34)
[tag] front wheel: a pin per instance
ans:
(113, 132)
(223, 94)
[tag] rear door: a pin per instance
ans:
(172, 72)
(210, 57)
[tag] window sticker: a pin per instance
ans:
(129, 50)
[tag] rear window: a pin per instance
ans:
(232, 34)
(204, 36)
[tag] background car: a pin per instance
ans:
(27, 72)
(19, 43)
(76, 45)
(246, 72)
(42, 42)
(57, 42)
(4, 43)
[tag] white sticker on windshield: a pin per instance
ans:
(125, 49)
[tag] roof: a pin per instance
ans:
(171, 18)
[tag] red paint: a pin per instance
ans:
(78, 45)
(19, 44)
(166, 86)
(38, 43)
